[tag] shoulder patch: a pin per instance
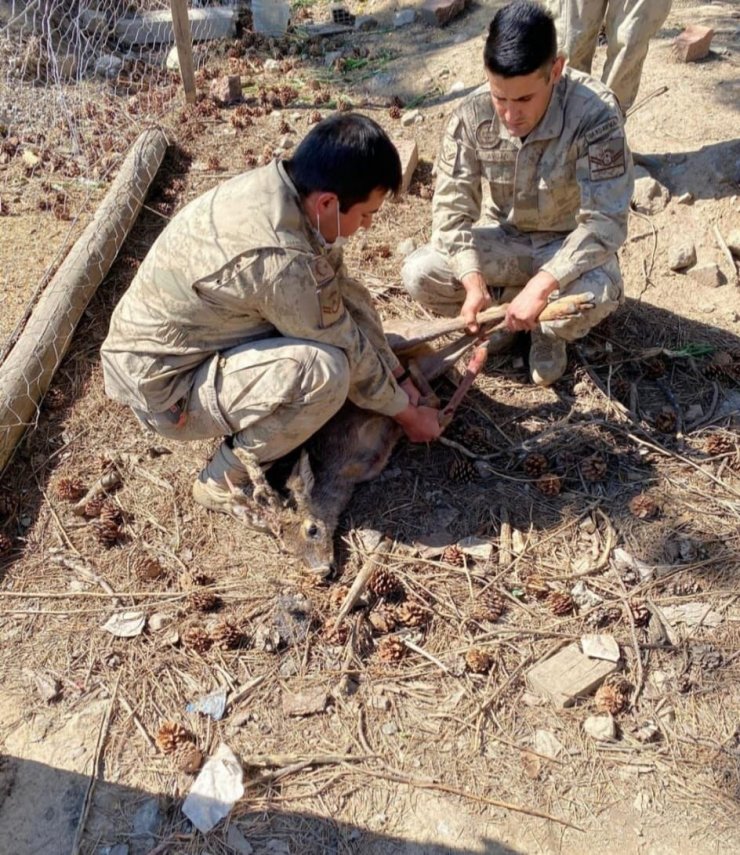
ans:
(602, 130)
(328, 294)
(606, 159)
(485, 135)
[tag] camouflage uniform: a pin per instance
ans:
(560, 198)
(239, 324)
(630, 24)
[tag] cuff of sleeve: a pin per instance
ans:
(465, 262)
(561, 270)
(396, 404)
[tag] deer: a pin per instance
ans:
(354, 446)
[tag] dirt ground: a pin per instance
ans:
(403, 756)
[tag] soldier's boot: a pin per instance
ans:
(500, 341)
(547, 358)
(225, 485)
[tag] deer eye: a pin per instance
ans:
(312, 530)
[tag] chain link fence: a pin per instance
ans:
(83, 85)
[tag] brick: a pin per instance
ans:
(409, 154)
(441, 12)
(693, 43)
(568, 675)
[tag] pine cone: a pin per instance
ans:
(108, 525)
(225, 635)
(462, 470)
(394, 111)
(475, 438)
(488, 607)
(6, 543)
(612, 697)
(203, 601)
(343, 105)
(640, 613)
(412, 614)
(666, 421)
(621, 389)
(188, 758)
(314, 118)
(55, 399)
(147, 569)
(314, 85)
(194, 579)
(384, 583)
(171, 736)
(383, 619)
(478, 661)
(560, 603)
(94, 507)
(594, 468)
(655, 367)
(284, 127)
(720, 367)
(643, 507)
(70, 489)
(537, 586)
(549, 485)
(719, 443)
(391, 649)
(197, 638)
(453, 555)
(535, 464)
(337, 597)
(336, 636)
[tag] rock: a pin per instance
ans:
(693, 43)
(286, 142)
(584, 596)
(568, 675)
(272, 65)
(172, 62)
(48, 687)
(410, 117)
(310, 702)
(405, 247)
(108, 66)
(331, 56)
(686, 199)
(681, 255)
(366, 23)
(547, 744)
(238, 842)
(404, 18)
(125, 624)
(227, 89)
(380, 702)
(692, 614)
(600, 647)
(441, 12)
(708, 275)
(147, 818)
(118, 849)
(158, 621)
(478, 548)
(733, 242)
(390, 728)
(409, 155)
(30, 159)
(649, 196)
(457, 86)
(600, 727)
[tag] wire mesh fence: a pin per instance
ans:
(80, 82)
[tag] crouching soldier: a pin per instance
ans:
(243, 323)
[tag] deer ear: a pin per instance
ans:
(301, 481)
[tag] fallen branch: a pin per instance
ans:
(372, 560)
(84, 570)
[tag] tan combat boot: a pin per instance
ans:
(224, 485)
(547, 358)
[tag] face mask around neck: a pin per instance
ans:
(338, 242)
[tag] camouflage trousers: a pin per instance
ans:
(509, 260)
(630, 24)
(268, 396)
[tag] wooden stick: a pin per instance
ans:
(361, 580)
(184, 43)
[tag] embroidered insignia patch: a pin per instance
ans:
(328, 294)
(602, 130)
(485, 136)
(606, 159)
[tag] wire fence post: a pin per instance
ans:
(184, 43)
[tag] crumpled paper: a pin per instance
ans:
(215, 791)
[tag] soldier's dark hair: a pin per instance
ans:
(521, 39)
(347, 154)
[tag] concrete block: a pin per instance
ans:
(409, 154)
(441, 12)
(404, 18)
(693, 43)
(568, 675)
(150, 28)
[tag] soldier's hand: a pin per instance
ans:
(477, 299)
(525, 308)
(410, 389)
(420, 424)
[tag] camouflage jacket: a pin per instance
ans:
(241, 263)
(571, 176)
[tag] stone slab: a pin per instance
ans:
(568, 675)
(441, 12)
(150, 28)
(409, 154)
(693, 43)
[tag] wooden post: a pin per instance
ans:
(27, 370)
(184, 42)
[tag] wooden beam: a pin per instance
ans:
(184, 42)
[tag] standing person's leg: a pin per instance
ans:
(578, 23)
(267, 397)
(630, 24)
